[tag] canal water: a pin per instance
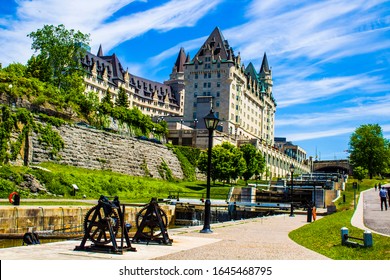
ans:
(7, 243)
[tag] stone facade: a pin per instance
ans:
(106, 73)
(95, 149)
(241, 97)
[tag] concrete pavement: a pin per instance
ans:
(255, 239)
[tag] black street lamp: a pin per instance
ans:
(292, 169)
(211, 122)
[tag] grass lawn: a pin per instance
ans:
(324, 235)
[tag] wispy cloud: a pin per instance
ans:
(173, 14)
(95, 17)
(376, 108)
(300, 136)
(290, 93)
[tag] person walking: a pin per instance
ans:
(376, 187)
(383, 195)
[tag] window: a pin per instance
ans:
(195, 85)
(209, 85)
(218, 75)
(196, 76)
(218, 84)
(217, 104)
(218, 94)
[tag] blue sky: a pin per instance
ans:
(330, 59)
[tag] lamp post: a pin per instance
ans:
(10, 86)
(292, 169)
(195, 133)
(181, 133)
(211, 122)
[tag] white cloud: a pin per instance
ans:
(359, 110)
(290, 93)
(94, 17)
(174, 14)
(308, 135)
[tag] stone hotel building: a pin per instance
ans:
(241, 97)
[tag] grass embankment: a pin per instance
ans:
(93, 183)
(324, 235)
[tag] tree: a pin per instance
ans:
(226, 162)
(60, 50)
(106, 104)
(255, 162)
(123, 99)
(39, 68)
(89, 104)
(369, 149)
(359, 173)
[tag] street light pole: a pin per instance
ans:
(211, 122)
(181, 133)
(292, 169)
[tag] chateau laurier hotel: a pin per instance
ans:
(240, 96)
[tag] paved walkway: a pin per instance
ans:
(255, 239)
(368, 214)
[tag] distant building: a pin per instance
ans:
(291, 150)
(105, 72)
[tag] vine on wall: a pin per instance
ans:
(164, 171)
(16, 127)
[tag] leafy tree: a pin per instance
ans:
(161, 129)
(89, 104)
(369, 149)
(226, 162)
(60, 50)
(360, 173)
(39, 68)
(255, 162)
(106, 104)
(15, 69)
(123, 99)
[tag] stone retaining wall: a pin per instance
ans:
(95, 149)
(21, 219)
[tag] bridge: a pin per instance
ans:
(333, 166)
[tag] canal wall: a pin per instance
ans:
(61, 219)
